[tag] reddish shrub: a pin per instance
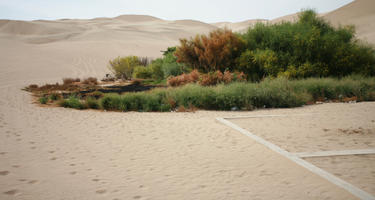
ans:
(241, 77)
(183, 79)
(227, 77)
(211, 78)
(171, 102)
(194, 76)
(209, 53)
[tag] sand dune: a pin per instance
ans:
(240, 26)
(57, 153)
(121, 29)
(361, 14)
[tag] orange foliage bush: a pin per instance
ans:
(184, 79)
(211, 78)
(217, 51)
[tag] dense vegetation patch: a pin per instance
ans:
(287, 64)
(270, 93)
(310, 47)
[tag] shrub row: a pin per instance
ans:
(276, 93)
(211, 78)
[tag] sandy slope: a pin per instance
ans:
(239, 26)
(56, 153)
(361, 14)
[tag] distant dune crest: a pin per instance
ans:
(360, 13)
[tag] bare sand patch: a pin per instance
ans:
(324, 131)
(355, 169)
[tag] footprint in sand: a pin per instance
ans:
(101, 191)
(3, 153)
(72, 173)
(32, 182)
(137, 197)
(95, 179)
(4, 173)
(11, 192)
(16, 166)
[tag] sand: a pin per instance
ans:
(328, 127)
(354, 128)
(57, 153)
(355, 169)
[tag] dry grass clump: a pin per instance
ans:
(90, 81)
(69, 84)
(57, 87)
(33, 86)
(69, 81)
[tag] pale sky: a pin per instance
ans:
(202, 10)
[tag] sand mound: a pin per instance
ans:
(134, 29)
(361, 14)
(137, 18)
(240, 26)
(34, 27)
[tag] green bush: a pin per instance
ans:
(54, 96)
(310, 47)
(122, 67)
(157, 69)
(72, 102)
(142, 72)
(43, 100)
(161, 68)
(91, 102)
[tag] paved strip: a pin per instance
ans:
(333, 179)
(334, 153)
(263, 116)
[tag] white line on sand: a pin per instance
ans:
(262, 116)
(333, 179)
(334, 153)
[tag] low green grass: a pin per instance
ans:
(43, 100)
(72, 102)
(270, 93)
(92, 102)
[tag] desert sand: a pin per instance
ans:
(57, 153)
(325, 128)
